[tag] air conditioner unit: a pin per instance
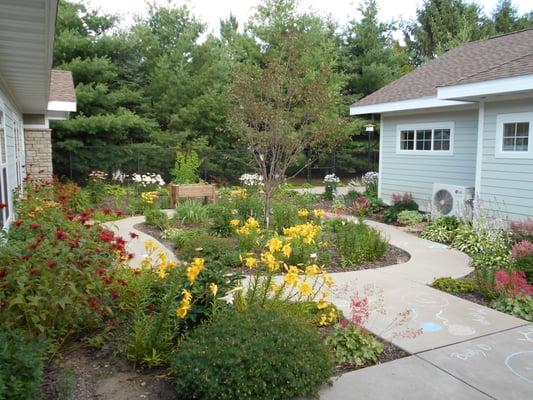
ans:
(453, 200)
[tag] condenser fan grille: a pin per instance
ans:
(443, 201)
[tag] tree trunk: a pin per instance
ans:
(268, 195)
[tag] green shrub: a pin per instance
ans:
(156, 217)
(199, 243)
(451, 285)
(390, 215)
(410, 217)
(358, 243)
(441, 229)
(220, 215)
(191, 212)
(256, 354)
(185, 170)
(519, 306)
(21, 367)
(467, 239)
(525, 264)
(352, 346)
(249, 206)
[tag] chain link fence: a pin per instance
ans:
(220, 167)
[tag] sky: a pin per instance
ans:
(211, 11)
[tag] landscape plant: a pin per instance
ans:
(186, 168)
(288, 105)
(410, 217)
(400, 202)
(258, 353)
(21, 366)
(357, 243)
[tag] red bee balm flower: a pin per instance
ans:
(60, 235)
(3, 273)
(52, 264)
(2, 206)
(34, 226)
(106, 236)
(63, 198)
(93, 303)
(18, 223)
(33, 271)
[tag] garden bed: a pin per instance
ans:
(393, 256)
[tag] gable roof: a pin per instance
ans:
(501, 56)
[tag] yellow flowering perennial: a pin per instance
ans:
(213, 288)
(250, 262)
(234, 222)
(307, 232)
(250, 225)
(185, 304)
(274, 244)
(306, 289)
(303, 212)
(270, 261)
(291, 277)
(319, 213)
(194, 268)
(312, 270)
(149, 197)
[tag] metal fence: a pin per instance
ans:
(227, 166)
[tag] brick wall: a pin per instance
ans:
(38, 144)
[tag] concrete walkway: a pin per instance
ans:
(466, 351)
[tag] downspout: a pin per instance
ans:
(380, 166)
(479, 154)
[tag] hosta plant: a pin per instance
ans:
(410, 217)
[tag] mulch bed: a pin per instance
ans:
(393, 255)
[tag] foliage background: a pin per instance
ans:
(159, 85)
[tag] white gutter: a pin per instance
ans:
(404, 105)
(486, 88)
(479, 153)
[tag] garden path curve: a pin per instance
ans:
(466, 351)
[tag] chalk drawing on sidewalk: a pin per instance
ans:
(426, 300)
(527, 335)
(479, 315)
(480, 350)
(455, 329)
(521, 364)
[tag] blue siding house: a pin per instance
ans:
(463, 120)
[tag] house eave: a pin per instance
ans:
(405, 105)
(477, 91)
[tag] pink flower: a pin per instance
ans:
(522, 249)
(60, 235)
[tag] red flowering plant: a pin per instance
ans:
(58, 273)
(360, 208)
(522, 258)
(512, 283)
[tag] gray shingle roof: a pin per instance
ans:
(497, 57)
(61, 86)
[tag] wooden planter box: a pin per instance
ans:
(194, 191)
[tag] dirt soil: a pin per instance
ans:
(79, 373)
(393, 255)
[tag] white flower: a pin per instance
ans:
(370, 178)
(331, 178)
(251, 179)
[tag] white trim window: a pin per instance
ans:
(514, 135)
(428, 138)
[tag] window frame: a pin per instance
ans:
(513, 118)
(425, 127)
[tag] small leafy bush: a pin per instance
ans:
(21, 367)
(199, 243)
(256, 354)
(176, 235)
(358, 243)
(400, 202)
(451, 285)
(156, 217)
(441, 229)
(519, 306)
(191, 212)
(186, 169)
(410, 217)
(352, 346)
